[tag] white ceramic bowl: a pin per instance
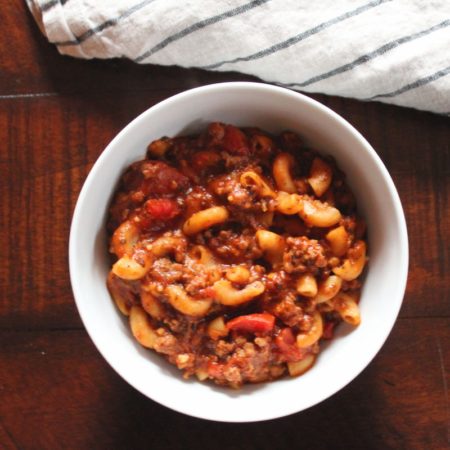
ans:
(273, 109)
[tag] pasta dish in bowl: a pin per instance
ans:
(236, 252)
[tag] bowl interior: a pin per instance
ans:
(272, 109)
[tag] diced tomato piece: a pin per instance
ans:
(205, 159)
(253, 323)
(162, 208)
(235, 141)
(285, 341)
(328, 330)
(216, 132)
(162, 179)
(286, 337)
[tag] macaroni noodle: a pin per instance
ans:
(205, 219)
(282, 167)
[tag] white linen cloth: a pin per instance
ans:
(394, 51)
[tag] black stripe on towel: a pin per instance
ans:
(299, 37)
(198, 26)
(368, 56)
(107, 24)
(418, 83)
(50, 4)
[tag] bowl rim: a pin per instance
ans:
(400, 222)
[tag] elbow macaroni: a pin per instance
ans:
(185, 304)
(310, 337)
(320, 176)
(300, 367)
(338, 238)
(124, 239)
(128, 268)
(117, 295)
(272, 244)
(165, 245)
(205, 219)
(227, 295)
(238, 274)
(288, 204)
(252, 179)
(328, 289)
(318, 214)
(144, 333)
(347, 308)
(202, 255)
(282, 167)
(307, 285)
(152, 305)
(352, 267)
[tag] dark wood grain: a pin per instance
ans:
(68, 397)
(30, 66)
(56, 116)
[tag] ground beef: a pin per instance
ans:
(165, 271)
(198, 199)
(224, 348)
(276, 281)
(166, 342)
(195, 277)
(287, 309)
(199, 277)
(247, 363)
(234, 246)
(303, 255)
(230, 189)
(241, 198)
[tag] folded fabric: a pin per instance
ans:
(394, 51)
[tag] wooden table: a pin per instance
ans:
(56, 392)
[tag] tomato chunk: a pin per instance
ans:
(161, 179)
(285, 341)
(162, 208)
(205, 159)
(253, 323)
(235, 141)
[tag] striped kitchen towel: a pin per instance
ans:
(395, 51)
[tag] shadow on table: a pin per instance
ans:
(352, 418)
